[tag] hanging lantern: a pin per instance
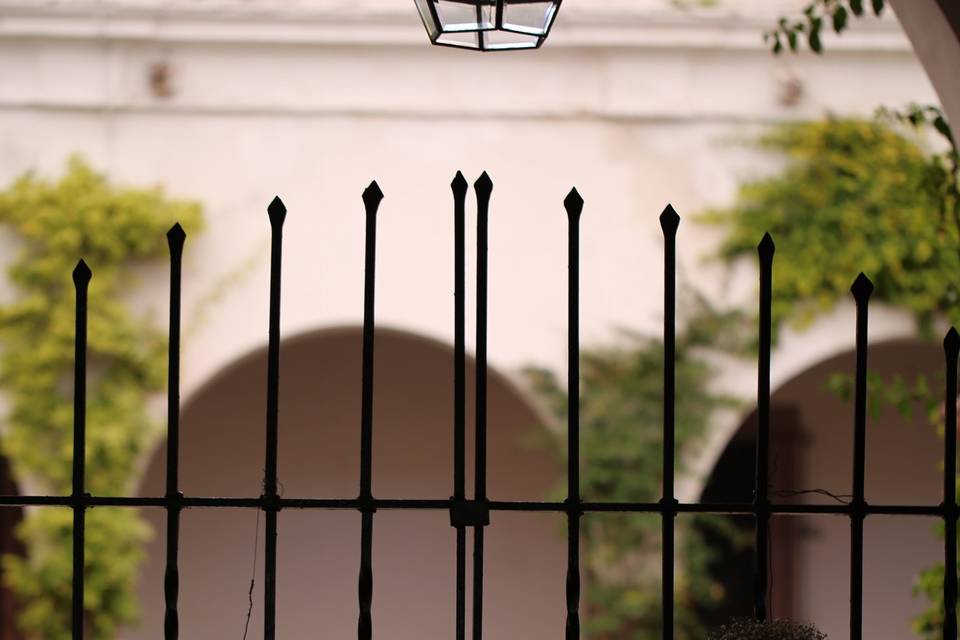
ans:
(488, 25)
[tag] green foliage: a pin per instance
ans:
(621, 417)
(747, 629)
(113, 229)
(790, 33)
(113, 552)
(855, 196)
(897, 393)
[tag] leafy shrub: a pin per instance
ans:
(748, 629)
(81, 215)
(621, 414)
(855, 196)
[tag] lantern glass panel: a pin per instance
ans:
(462, 39)
(466, 15)
(423, 6)
(529, 17)
(494, 40)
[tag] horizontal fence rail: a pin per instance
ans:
(474, 514)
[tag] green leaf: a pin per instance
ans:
(839, 19)
(856, 6)
(878, 6)
(940, 124)
(814, 40)
(792, 40)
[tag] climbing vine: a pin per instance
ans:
(791, 33)
(856, 196)
(81, 215)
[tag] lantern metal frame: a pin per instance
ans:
(492, 21)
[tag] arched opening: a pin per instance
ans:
(812, 448)
(318, 552)
(9, 544)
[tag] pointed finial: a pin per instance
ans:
(459, 186)
(669, 220)
(81, 274)
(573, 203)
(766, 248)
(372, 196)
(175, 238)
(277, 211)
(951, 344)
(483, 186)
(861, 288)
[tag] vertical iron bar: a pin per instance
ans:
(862, 289)
(481, 35)
(365, 582)
(483, 188)
(278, 213)
(951, 348)
(371, 200)
(669, 223)
(171, 580)
(81, 281)
(765, 251)
(574, 206)
(461, 582)
(459, 188)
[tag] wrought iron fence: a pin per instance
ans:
(474, 513)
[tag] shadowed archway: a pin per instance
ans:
(10, 517)
(318, 552)
(811, 448)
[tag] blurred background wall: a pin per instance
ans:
(636, 103)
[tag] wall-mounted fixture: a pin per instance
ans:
(488, 25)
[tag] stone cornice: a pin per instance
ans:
(639, 23)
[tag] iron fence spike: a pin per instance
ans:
(277, 211)
(372, 196)
(483, 185)
(573, 203)
(952, 342)
(176, 235)
(669, 220)
(459, 185)
(81, 273)
(766, 248)
(862, 288)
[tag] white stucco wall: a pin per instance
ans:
(635, 104)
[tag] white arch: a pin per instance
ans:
(222, 449)
(798, 350)
(243, 354)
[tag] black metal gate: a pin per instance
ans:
(474, 513)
